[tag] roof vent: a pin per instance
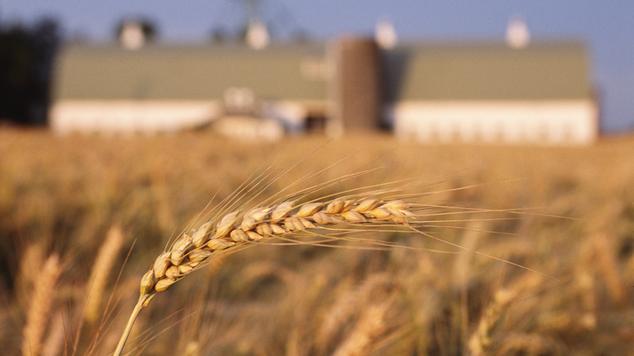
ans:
(385, 34)
(257, 35)
(132, 35)
(517, 34)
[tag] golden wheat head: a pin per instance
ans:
(192, 250)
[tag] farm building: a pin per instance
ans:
(492, 93)
(168, 88)
(430, 92)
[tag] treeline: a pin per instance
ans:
(27, 53)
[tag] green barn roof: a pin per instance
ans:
(488, 71)
(421, 71)
(186, 72)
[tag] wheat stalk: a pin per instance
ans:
(40, 307)
(106, 258)
(190, 251)
(369, 328)
(33, 255)
(480, 341)
(346, 306)
(55, 340)
(608, 266)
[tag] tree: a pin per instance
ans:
(26, 61)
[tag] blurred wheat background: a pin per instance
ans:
(82, 219)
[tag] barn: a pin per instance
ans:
(165, 88)
(429, 92)
(491, 92)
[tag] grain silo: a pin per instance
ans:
(356, 88)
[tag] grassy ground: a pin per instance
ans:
(572, 293)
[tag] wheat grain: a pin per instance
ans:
(190, 251)
(234, 230)
(40, 307)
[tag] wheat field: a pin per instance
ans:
(521, 250)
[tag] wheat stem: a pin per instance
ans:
(126, 332)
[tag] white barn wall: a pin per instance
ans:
(547, 122)
(123, 116)
(250, 129)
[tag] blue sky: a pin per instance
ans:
(607, 27)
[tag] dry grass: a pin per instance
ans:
(480, 204)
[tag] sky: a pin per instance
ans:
(607, 27)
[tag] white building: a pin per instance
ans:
(167, 88)
(538, 94)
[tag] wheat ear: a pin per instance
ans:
(480, 341)
(190, 251)
(40, 307)
(98, 280)
(369, 328)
